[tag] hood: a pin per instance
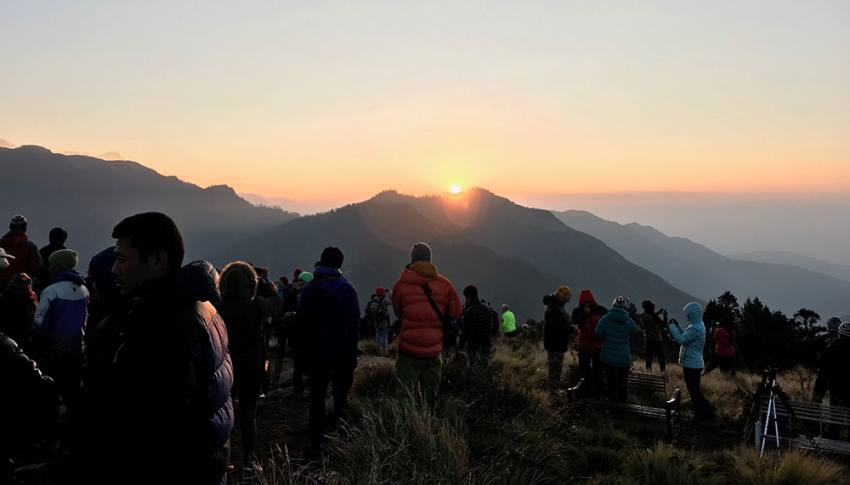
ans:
(327, 277)
(68, 275)
(693, 311)
(552, 299)
(14, 239)
(586, 297)
(200, 278)
(419, 273)
(618, 314)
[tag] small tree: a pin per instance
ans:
(805, 321)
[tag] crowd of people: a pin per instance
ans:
(151, 362)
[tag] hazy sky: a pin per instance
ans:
(337, 100)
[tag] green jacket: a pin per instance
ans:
(508, 322)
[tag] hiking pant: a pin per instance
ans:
(590, 369)
(556, 366)
(248, 390)
(342, 376)
(617, 378)
(727, 364)
(424, 373)
(702, 408)
(655, 349)
(382, 335)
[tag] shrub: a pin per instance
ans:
(793, 468)
(665, 465)
(402, 440)
(374, 380)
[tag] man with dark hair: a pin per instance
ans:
(57, 238)
(329, 316)
(476, 325)
(159, 380)
(25, 257)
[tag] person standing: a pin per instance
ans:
(615, 329)
(158, 375)
(244, 313)
(17, 311)
(692, 341)
(653, 327)
(378, 311)
(833, 376)
(329, 313)
(586, 317)
(475, 325)
(425, 302)
(557, 330)
(60, 322)
(25, 256)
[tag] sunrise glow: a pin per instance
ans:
(455, 189)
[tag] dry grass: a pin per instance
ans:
(498, 425)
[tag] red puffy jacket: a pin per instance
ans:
(421, 330)
(724, 343)
(587, 341)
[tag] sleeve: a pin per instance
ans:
(600, 328)
(47, 296)
(636, 328)
(36, 263)
(397, 300)
(353, 311)
(454, 308)
(686, 337)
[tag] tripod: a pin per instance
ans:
(770, 386)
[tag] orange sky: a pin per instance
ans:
(339, 103)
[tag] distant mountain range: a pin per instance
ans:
(513, 254)
(88, 196)
(700, 271)
(840, 271)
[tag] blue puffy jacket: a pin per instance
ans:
(615, 330)
(692, 339)
(329, 317)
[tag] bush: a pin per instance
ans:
(665, 465)
(402, 440)
(374, 380)
(793, 468)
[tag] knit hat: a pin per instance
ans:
(564, 293)
(305, 276)
(648, 306)
(844, 330)
(620, 302)
(62, 260)
(332, 257)
(380, 291)
(420, 252)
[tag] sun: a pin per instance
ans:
(455, 189)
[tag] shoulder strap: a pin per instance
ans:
(427, 291)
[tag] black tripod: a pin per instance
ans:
(770, 387)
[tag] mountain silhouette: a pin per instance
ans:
(88, 196)
(700, 271)
(840, 271)
(513, 254)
